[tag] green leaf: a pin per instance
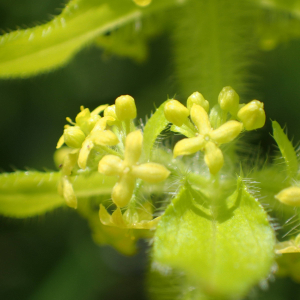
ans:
(223, 254)
(27, 194)
(155, 125)
(35, 50)
(287, 150)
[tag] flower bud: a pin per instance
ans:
(125, 108)
(229, 100)
(252, 115)
(290, 196)
(175, 112)
(197, 98)
(74, 136)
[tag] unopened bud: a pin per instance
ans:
(175, 112)
(229, 100)
(197, 98)
(74, 136)
(290, 196)
(125, 108)
(252, 115)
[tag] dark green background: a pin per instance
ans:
(53, 257)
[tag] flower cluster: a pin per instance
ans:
(202, 135)
(121, 145)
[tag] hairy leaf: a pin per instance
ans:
(223, 254)
(35, 50)
(26, 194)
(155, 125)
(287, 150)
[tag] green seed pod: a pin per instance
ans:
(175, 112)
(74, 136)
(197, 98)
(125, 108)
(229, 100)
(252, 115)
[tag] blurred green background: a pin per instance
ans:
(54, 257)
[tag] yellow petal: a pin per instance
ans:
(101, 124)
(117, 218)
(99, 109)
(110, 111)
(146, 224)
(122, 191)
(133, 147)
(60, 142)
(227, 132)
(83, 116)
(104, 138)
(200, 118)
(213, 158)
(189, 146)
(110, 165)
(150, 172)
(68, 193)
(84, 153)
(104, 216)
(70, 162)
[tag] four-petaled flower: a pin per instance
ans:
(207, 139)
(129, 169)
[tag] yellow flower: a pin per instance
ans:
(129, 169)
(291, 246)
(88, 131)
(207, 139)
(84, 123)
(138, 220)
